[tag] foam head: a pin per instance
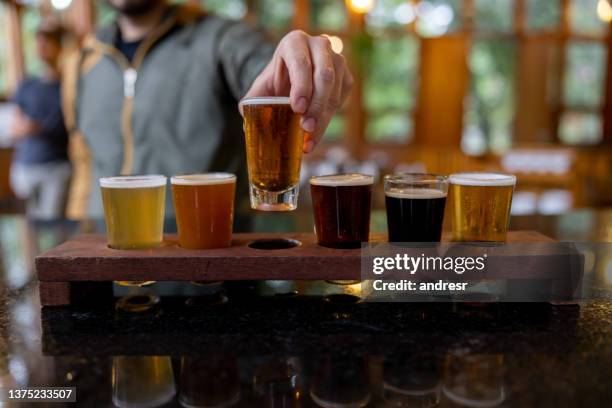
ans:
(483, 179)
(337, 180)
(148, 181)
(203, 179)
(415, 193)
(265, 100)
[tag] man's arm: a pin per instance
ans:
(302, 67)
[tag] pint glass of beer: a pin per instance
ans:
(134, 210)
(204, 205)
(480, 205)
(341, 205)
(415, 206)
(274, 142)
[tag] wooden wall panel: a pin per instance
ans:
(443, 84)
(537, 82)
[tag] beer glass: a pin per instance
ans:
(134, 210)
(204, 205)
(142, 381)
(474, 380)
(481, 206)
(210, 380)
(341, 205)
(415, 206)
(274, 142)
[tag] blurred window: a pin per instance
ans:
(3, 51)
(584, 74)
(390, 88)
(490, 104)
(494, 15)
(431, 17)
(580, 128)
(328, 15)
(584, 18)
(234, 9)
(543, 14)
(29, 24)
(276, 15)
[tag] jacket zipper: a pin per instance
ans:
(130, 77)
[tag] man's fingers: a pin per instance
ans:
(295, 55)
(324, 76)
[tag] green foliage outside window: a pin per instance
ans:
(494, 15)
(490, 108)
(30, 22)
(543, 14)
(329, 15)
(390, 88)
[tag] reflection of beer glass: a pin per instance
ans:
(415, 206)
(411, 381)
(481, 206)
(474, 380)
(142, 381)
(341, 382)
(274, 142)
(204, 205)
(341, 205)
(209, 381)
(134, 210)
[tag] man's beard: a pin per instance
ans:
(134, 8)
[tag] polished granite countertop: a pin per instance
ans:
(273, 345)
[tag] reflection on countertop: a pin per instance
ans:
(254, 349)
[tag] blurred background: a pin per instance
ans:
(519, 86)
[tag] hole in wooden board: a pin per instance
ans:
(275, 243)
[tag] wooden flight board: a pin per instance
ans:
(83, 268)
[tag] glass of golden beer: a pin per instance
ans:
(480, 205)
(134, 210)
(204, 205)
(274, 142)
(142, 381)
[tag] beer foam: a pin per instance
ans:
(482, 179)
(154, 180)
(352, 179)
(203, 179)
(266, 100)
(415, 193)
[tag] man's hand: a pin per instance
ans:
(316, 79)
(22, 125)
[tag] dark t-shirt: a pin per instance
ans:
(40, 100)
(128, 48)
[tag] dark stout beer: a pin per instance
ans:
(415, 215)
(341, 205)
(274, 142)
(415, 206)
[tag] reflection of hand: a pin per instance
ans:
(22, 125)
(316, 79)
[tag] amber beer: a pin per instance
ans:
(341, 205)
(134, 210)
(142, 381)
(481, 206)
(204, 205)
(274, 142)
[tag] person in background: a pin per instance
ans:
(40, 172)
(157, 92)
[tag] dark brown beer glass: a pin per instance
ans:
(341, 205)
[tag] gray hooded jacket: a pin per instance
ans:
(172, 110)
